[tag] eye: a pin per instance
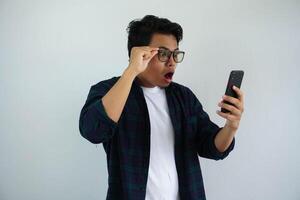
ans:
(178, 56)
(163, 53)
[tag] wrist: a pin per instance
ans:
(230, 129)
(129, 73)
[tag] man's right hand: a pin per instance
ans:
(140, 57)
(114, 100)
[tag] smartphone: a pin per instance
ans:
(235, 79)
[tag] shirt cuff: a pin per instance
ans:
(216, 152)
(98, 105)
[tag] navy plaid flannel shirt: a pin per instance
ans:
(127, 143)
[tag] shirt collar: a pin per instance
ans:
(139, 89)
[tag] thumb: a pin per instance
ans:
(149, 56)
(153, 53)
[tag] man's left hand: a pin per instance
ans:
(236, 110)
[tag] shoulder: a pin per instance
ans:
(102, 87)
(106, 84)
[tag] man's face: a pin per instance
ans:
(155, 73)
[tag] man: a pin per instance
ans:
(153, 129)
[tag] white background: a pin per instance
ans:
(51, 52)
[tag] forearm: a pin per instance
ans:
(115, 99)
(224, 138)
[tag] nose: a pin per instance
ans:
(171, 62)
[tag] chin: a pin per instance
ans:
(164, 85)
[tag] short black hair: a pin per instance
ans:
(140, 31)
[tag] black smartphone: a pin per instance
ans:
(235, 79)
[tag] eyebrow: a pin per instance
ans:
(168, 48)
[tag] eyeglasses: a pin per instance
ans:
(164, 55)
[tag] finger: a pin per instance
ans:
(148, 48)
(153, 53)
(230, 108)
(148, 52)
(153, 48)
(227, 116)
(149, 55)
(236, 102)
(233, 110)
(239, 93)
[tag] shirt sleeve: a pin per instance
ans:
(94, 123)
(206, 133)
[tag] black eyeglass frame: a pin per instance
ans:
(170, 53)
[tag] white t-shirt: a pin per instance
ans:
(162, 183)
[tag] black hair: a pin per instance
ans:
(140, 31)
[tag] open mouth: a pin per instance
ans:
(169, 75)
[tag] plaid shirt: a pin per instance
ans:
(127, 143)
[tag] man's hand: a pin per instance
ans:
(236, 110)
(140, 57)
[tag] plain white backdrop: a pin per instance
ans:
(51, 52)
